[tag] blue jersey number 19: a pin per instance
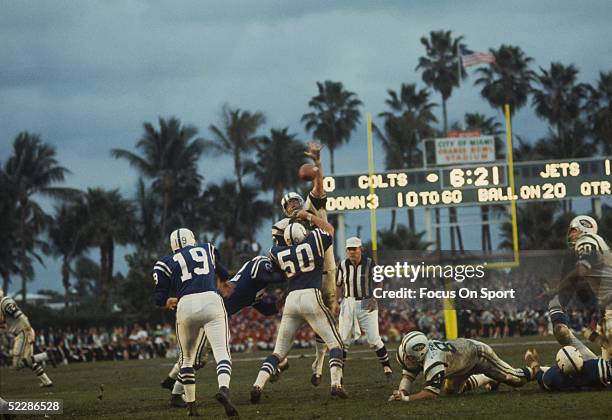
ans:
(198, 255)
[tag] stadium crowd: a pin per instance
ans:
(251, 331)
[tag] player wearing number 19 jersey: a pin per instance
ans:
(302, 263)
(192, 270)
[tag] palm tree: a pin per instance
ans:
(600, 112)
(537, 227)
(110, 221)
(442, 72)
(406, 124)
(507, 80)
(334, 117)
(491, 127)
(440, 66)
(68, 239)
(403, 238)
(169, 157)
(560, 100)
(237, 137)
(278, 174)
(32, 169)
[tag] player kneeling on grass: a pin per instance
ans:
(23, 345)
(302, 263)
(454, 360)
(191, 270)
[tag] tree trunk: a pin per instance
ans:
(331, 160)
(444, 116)
(392, 227)
(66, 281)
(6, 280)
(238, 170)
(411, 222)
(24, 288)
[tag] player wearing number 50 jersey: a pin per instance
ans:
(192, 270)
(302, 263)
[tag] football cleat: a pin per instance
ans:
(339, 391)
(167, 383)
(192, 409)
(255, 394)
(223, 398)
(176, 400)
(388, 373)
(283, 366)
(49, 385)
(315, 380)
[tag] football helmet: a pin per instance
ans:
(583, 224)
(569, 360)
(287, 198)
(294, 233)
(181, 238)
(413, 348)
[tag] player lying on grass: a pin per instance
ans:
(191, 270)
(302, 262)
(245, 289)
(575, 370)
(17, 323)
(454, 361)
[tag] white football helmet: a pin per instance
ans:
(294, 233)
(287, 198)
(584, 224)
(569, 360)
(181, 238)
(413, 348)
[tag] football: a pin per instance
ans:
(307, 171)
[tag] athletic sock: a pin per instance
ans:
(267, 369)
(224, 373)
(335, 366)
(383, 356)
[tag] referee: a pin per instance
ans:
(359, 309)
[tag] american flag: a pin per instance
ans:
(471, 58)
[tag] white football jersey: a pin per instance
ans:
(311, 205)
(448, 359)
(594, 254)
(13, 316)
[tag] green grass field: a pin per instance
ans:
(131, 390)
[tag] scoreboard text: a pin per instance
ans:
(475, 184)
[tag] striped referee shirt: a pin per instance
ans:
(356, 280)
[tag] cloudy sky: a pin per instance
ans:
(85, 75)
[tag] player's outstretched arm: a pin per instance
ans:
(314, 153)
(315, 220)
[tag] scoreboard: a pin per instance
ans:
(476, 184)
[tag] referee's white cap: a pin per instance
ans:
(353, 242)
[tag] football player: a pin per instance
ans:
(191, 270)
(575, 370)
(455, 361)
(302, 263)
(18, 324)
(245, 289)
(594, 265)
(291, 203)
